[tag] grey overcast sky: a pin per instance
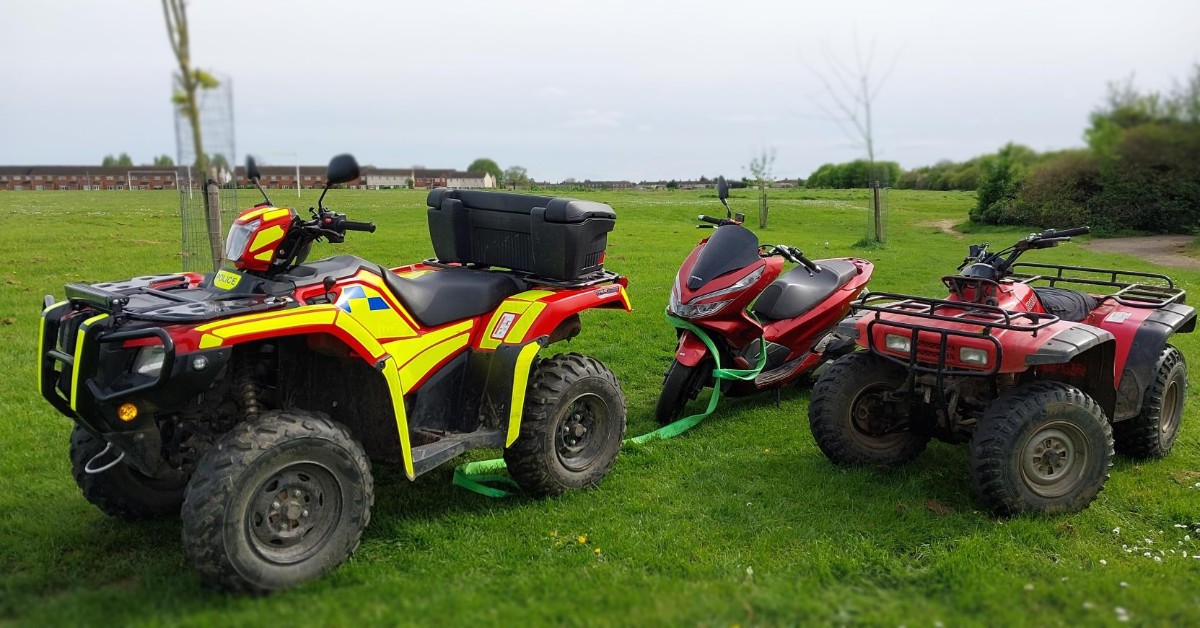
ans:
(604, 89)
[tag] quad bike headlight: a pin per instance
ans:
(238, 239)
(896, 342)
(149, 360)
(970, 355)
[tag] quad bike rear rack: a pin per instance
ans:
(1130, 291)
(592, 279)
(988, 319)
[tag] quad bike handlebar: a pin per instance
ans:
(999, 263)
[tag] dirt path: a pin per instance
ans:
(1164, 250)
(947, 226)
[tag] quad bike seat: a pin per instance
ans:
(795, 293)
(450, 294)
(1068, 305)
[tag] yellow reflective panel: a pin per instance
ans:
(397, 392)
(80, 336)
(427, 359)
(267, 237)
(509, 313)
(521, 326)
(520, 382)
(277, 213)
(532, 295)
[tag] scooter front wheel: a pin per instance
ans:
(680, 385)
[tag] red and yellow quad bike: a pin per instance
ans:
(250, 400)
(1040, 378)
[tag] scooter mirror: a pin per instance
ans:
(722, 188)
(342, 169)
(252, 173)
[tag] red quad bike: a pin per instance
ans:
(1039, 378)
(794, 313)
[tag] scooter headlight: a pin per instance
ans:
(149, 360)
(684, 310)
(689, 310)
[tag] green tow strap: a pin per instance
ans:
(475, 476)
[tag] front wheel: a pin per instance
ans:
(681, 384)
(1152, 433)
(121, 491)
(277, 501)
(853, 417)
(1043, 448)
(571, 429)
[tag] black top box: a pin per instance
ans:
(556, 238)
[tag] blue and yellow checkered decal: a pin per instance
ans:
(354, 299)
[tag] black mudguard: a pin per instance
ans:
(1142, 362)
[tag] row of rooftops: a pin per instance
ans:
(418, 173)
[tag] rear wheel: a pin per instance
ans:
(121, 491)
(852, 418)
(277, 501)
(680, 385)
(1043, 448)
(571, 429)
(1152, 433)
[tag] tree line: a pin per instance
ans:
(125, 161)
(1139, 170)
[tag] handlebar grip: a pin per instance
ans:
(1066, 233)
(709, 219)
(350, 225)
(809, 264)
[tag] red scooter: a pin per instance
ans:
(792, 317)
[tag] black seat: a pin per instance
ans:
(450, 294)
(1069, 305)
(795, 293)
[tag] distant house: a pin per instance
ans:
(385, 178)
(16, 178)
(284, 177)
(426, 178)
(87, 178)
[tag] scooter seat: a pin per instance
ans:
(795, 293)
(1068, 305)
(450, 294)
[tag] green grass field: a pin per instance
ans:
(741, 521)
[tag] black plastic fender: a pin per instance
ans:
(1148, 343)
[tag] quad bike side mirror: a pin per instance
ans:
(342, 169)
(254, 176)
(252, 172)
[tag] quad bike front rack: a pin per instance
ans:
(988, 319)
(1131, 289)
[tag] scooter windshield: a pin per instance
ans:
(731, 247)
